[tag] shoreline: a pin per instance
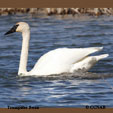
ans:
(58, 11)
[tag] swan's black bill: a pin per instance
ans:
(12, 30)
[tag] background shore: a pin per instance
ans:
(58, 11)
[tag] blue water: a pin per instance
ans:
(65, 90)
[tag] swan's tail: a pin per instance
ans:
(99, 57)
(87, 63)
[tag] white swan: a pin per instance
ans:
(56, 61)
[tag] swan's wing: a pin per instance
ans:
(61, 60)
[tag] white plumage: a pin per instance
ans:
(57, 61)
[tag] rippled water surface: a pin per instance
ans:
(65, 90)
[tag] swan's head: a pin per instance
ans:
(19, 27)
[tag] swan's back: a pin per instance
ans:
(61, 60)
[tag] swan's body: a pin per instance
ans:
(57, 61)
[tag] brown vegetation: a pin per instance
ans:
(58, 11)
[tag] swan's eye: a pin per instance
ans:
(12, 30)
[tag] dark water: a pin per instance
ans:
(67, 90)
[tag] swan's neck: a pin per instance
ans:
(24, 53)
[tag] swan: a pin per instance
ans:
(56, 61)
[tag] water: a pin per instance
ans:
(65, 90)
